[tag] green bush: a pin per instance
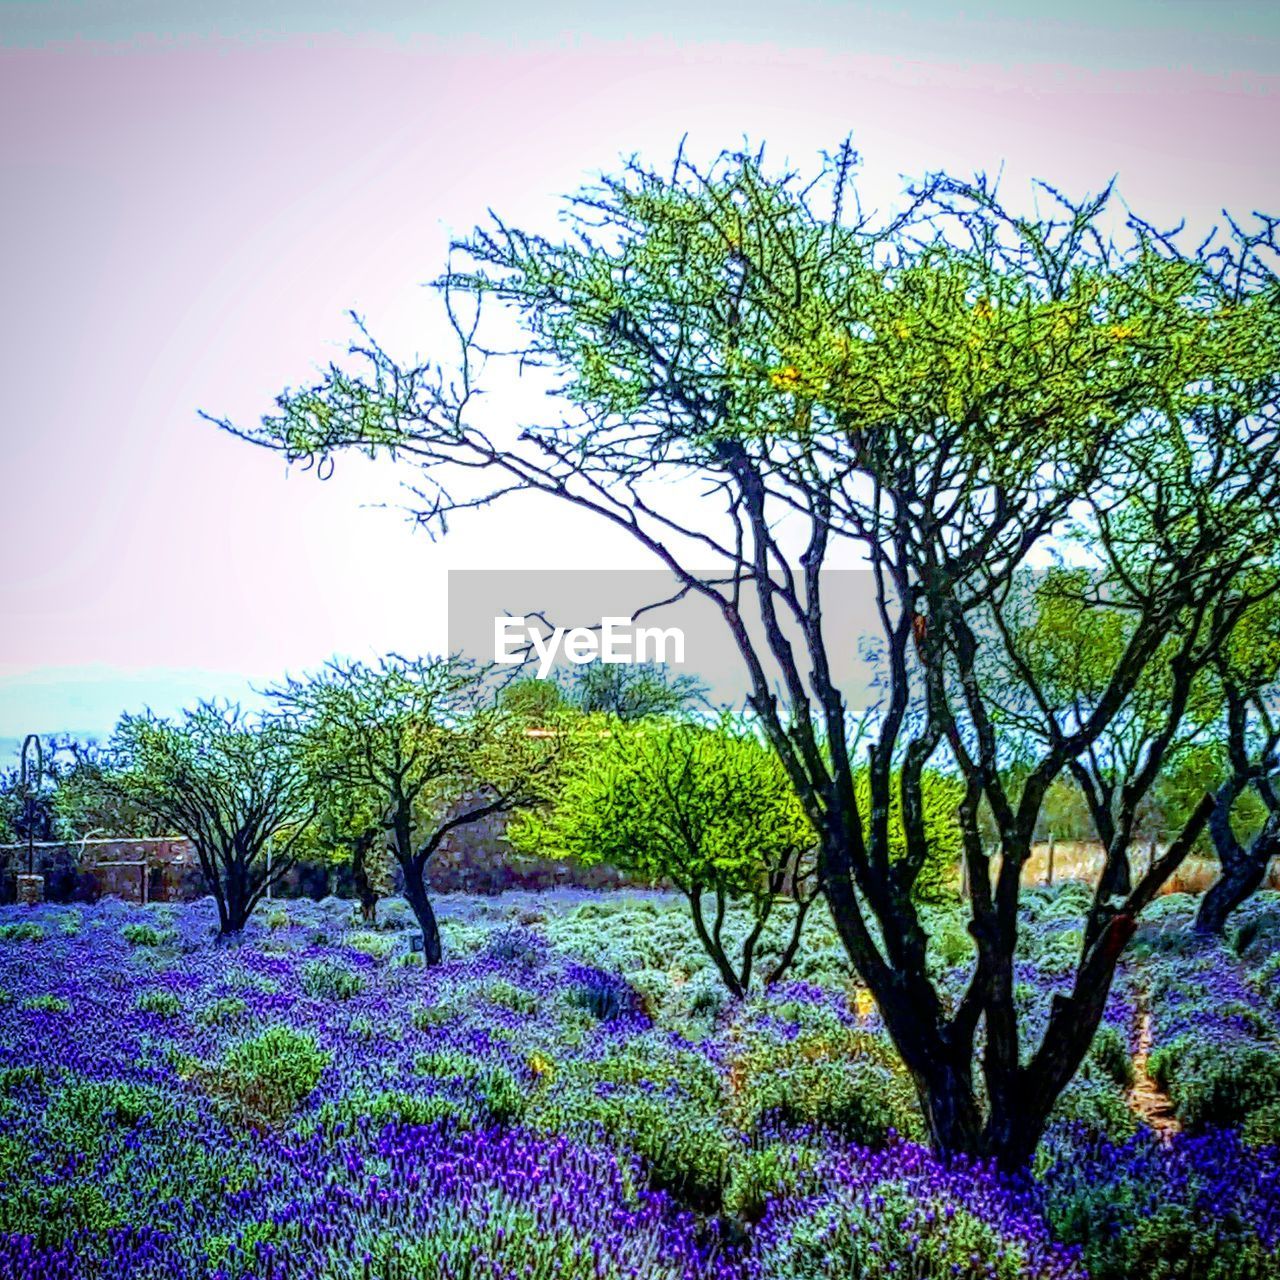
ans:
(500, 1097)
(377, 945)
(1098, 1106)
(222, 1011)
(848, 1083)
(147, 935)
(1216, 1085)
(24, 931)
(661, 1104)
(164, 1004)
(382, 1107)
(47, 1004)
(1109, 1057)
(268, 1076)
(329, 980)
(1262, 1127)
(765, 1173)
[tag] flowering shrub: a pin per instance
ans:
(898, 1212)
(1195, 1209)
(560, 1097)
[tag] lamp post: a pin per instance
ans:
(31, 886)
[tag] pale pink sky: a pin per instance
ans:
(184, 222)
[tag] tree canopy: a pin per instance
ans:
(947, 395)
(228, 781)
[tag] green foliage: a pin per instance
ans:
(230, 782)
(1110, 1058)
(848, 1083)
(706, 808)
(164, 1004)
(940, 794)
(23, 931)
(765, 1173)
(330, 980)
(267, 1076)
(147, 935)
(381, 1107)
(1216, 1084)
(222, 1012)
(699, 806)
(1098, 1106)
(47, 1004)
(661, 1104)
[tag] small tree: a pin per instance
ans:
(709, 809)
(942, 396)
(231, 784)
(1248, 671)
(425, 746)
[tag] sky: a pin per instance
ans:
(193, 196)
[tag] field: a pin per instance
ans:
(572, 1095)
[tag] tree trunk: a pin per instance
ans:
(951, 1111)
(365, 892)
(415, 892)
(1242, 870)
(236, 893)
(1237, 882)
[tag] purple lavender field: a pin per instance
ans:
(573, 1095)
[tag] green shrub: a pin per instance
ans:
(329, 980)
(1109, 1057)
(1216, 1085)
(1262, 1127)
(849, 1083)
(165, 1004)
(501, 1099)
(47, 1004)
(658, 1103)
(147, 935)
(382, 1107)
(1098, 1106)
(766, 1173)
(24, 931)
(220, 1012)
(508, 996)
(377, 945)
(268, 1076)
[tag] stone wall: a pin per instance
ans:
(472, 859)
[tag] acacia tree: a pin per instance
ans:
(1071, 635)
(231, 783)
(427, 748)
(942, 395)
(707, 808)
(1248, 676)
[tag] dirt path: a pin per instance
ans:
(1152, 1106)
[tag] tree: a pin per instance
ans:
(945, 394)
(424, 745)
(1248, 672)
(631, 691)
(231, 783)
(1071, 635)
(707, 808)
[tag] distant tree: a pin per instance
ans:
(1069, 634)
(228, 781)
(426, 746)
(706, 807)
(1248, 672)
(84, 804)
(760, 379)
(632, 691)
